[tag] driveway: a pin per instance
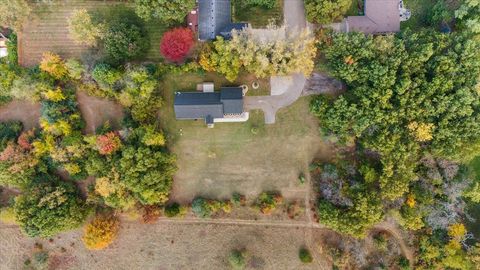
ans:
(287, 89)
(271, 104)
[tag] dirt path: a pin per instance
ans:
(20, 110)
(390, 227)
(97, 111)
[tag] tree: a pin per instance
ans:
(147, 173)
(100, 232)
(402, 108)
(237, 260)
(48, 208)
(305, 256)
(54, 65)
(108, 143)
(167, 11)
(13, 13)
(106, 77)
(469, 15)
(326, 11)
(176, 44)
(83, 30)
(125, 40)
(75, 69)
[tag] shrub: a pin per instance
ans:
(174, 210)
(12, 49)
(305, 256)
(49, 208)
(176, 44)
(268, 201)
(7, 216)
(261, 3)
(326, 11)
(83, 30)
(101, 232)
(125, 41)
(75, 69)
(9, 131)
(167, 11)
(201, 208)
(52, 64)
(236, 258)
(106, 76)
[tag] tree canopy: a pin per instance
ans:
(408, 94)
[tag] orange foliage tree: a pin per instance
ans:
(101, 232)
(108, 143)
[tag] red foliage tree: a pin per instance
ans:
(108, 143)
(177, 44)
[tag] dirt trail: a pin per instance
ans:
(21, 110)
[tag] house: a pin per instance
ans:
(212, 107)
(381, 16)
(3, 46)
(215, 19)
(192, 20)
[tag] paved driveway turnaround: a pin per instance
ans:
(294, 14)
(271, 104)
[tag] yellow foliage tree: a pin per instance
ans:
(457, 231)
(421, 131)
(101, 232)
(53, 65)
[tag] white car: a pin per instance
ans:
(3, 46)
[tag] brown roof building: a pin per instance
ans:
(381, 16)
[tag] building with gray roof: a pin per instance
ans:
(215, 19)
(210, 106)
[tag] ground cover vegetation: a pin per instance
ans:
(407, 124)
(258, 13)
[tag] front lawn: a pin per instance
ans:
(420, 10)
(258, 17)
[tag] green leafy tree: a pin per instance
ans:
(167, 11)
(237, 260)
(469, 15)
(147, 173)
(46, 209)
(82, 28)
(326, 11)
(125, 40)
(408, 94)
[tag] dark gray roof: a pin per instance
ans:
(201, 105)
(215, 19)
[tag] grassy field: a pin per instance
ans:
(240, 157)
(258, 17)
(48, 31)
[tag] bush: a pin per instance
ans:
(261, 3)
(268, 201)
(201, 208)
(305, 256)
(7, 216)
(174, 210)
(125, 41)
(12, 49)
(326, 11)
(106, 76)
(75, 69)
(176, 44)
(101, 232)
(83, 30)
(9, 131)
(237, 259)
(52, 64)
(167, 11)
(49, 208)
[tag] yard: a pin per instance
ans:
(48, 31)
(240, 157)
(258, 17)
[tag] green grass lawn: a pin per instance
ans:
(257, 16)
(420, 10)
(239, 157)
